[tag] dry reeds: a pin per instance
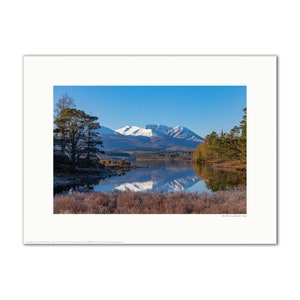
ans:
(222, 202)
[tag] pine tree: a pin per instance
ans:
(242, 144)
(93, 141)
(78, 133)
(226, 146)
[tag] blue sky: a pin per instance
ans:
(202, 109)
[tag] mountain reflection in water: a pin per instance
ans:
(154, 176)
(162, 176)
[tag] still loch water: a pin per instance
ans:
(161, 176)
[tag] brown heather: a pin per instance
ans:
(222, 202)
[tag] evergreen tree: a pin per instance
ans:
(242, 145)
(226, 146)
(77, 132)
(93, 141)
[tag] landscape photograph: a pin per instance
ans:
(149, 150)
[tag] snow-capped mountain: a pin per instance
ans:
(106, 131)
(178, 132)
(152, 138)
(135, 131)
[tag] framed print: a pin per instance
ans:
(150, 149)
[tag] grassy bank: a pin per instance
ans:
(222, 202)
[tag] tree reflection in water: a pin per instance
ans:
(216, 180)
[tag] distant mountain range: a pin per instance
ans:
(153, 137)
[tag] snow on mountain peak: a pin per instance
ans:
(106, 131)
(135, 131)
(179, 132)
(152, 130)
(151, 137)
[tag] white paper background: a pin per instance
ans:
(257, 73)
(148, 27)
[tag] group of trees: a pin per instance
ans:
(76, 136)
(224, 146)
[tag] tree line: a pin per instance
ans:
(165, 155)
(230, 146)
(76, 137)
